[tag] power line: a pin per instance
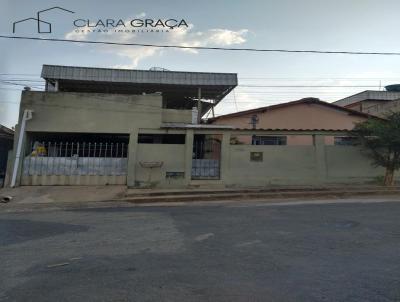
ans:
(204, 47)
(20, 74)
(311, 86)
(23, 80)
(15, 89)
(315, 78)
(18, 84)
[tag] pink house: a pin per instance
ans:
(304, 114)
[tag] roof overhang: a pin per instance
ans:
(175, 86)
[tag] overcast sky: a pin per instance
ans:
(311, 24)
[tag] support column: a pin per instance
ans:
(132, 152)
(188, 155)
(20, 148)
(320, 158)
(10, 170)
(225, 156)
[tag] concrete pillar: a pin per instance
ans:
(188, 155)
(132, 151)
(320, 158)
(21, 161)
(13, 156)
(225, 155)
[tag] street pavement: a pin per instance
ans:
(238, 251)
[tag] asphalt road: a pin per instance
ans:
(230, 252)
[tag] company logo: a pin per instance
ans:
(124, 26)
(109, 25)
(41, 23)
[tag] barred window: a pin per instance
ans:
(269, 140)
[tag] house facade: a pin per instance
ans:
(305, 114)
(95, 126)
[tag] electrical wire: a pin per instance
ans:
(203, 47)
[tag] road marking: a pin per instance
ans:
(247, 243)
(203, 236)
(58, 264)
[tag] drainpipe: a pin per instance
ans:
(26, 117)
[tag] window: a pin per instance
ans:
(268, 140)
(161, 139)
(345, 141)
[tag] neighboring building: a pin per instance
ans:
(97, 126)
(6, 142)
(373, 102)
(305, 114)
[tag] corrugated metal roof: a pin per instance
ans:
(369, 95)
(56, 72)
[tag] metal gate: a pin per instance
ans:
(75, 158)
(206, 156)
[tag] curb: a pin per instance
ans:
(151, 198)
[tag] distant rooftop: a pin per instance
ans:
(6, 133)
(179, 88)
(308, 100)
(369, 95)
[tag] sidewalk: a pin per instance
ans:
(62, 194)
(50, 196)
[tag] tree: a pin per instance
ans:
(381, 137)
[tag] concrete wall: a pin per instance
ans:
(299, 165)
(280, 165)
(347, 164)
(172, 158)
(317, 164)
(91, 112)
(176, 116)
(383, 108)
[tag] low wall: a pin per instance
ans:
(172, 158)
(176, 116)
(74, 165)
(72, 180)
(346, 164)
(299, 165)
(287, 165)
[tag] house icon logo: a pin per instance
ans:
(43, 27)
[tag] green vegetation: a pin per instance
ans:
(381, 137)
